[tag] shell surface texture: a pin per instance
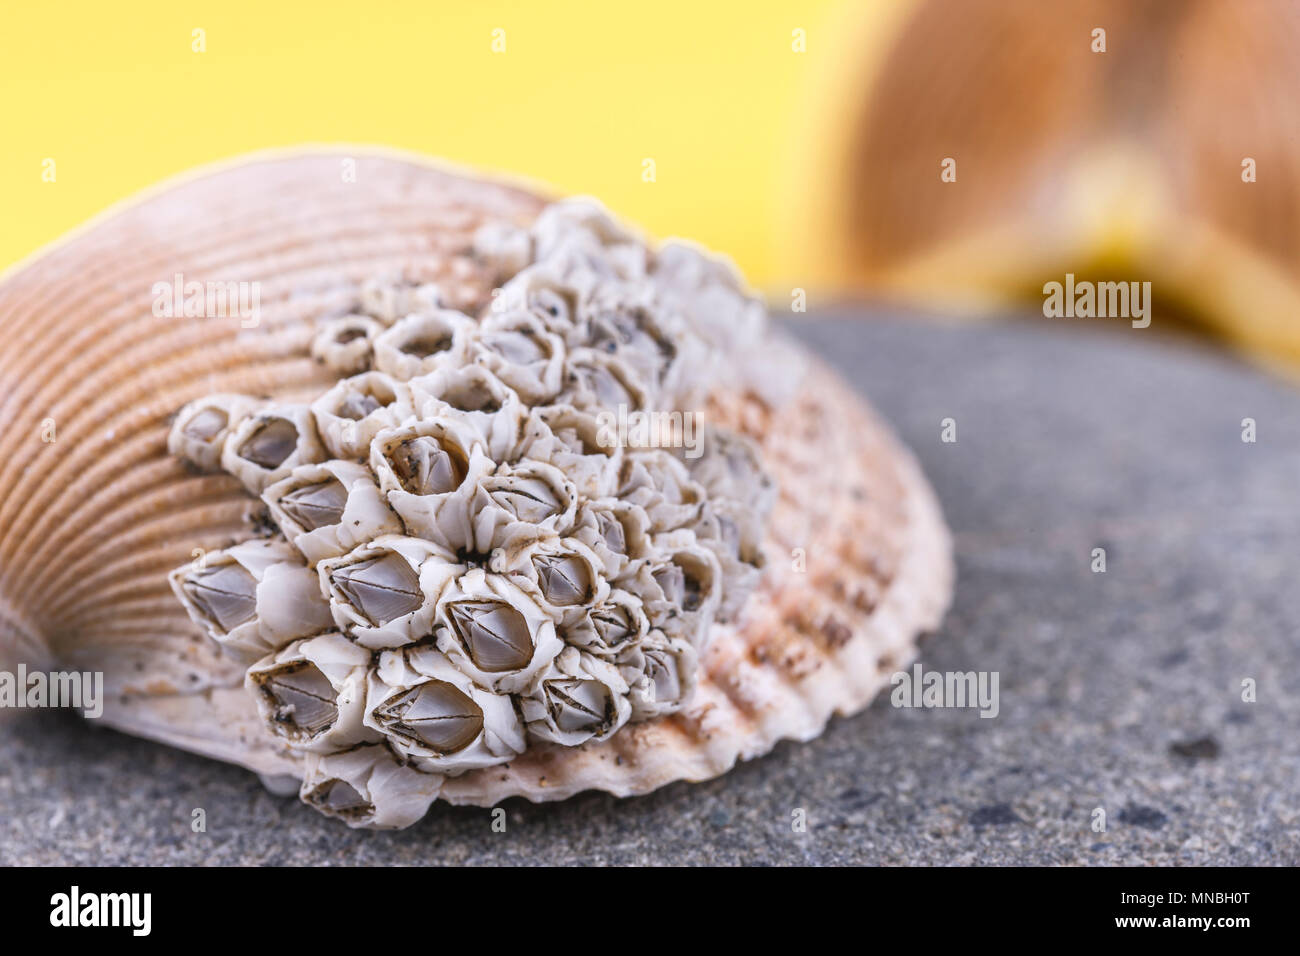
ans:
(412, 485)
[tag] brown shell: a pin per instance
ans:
(91, 522)
(1122, 165)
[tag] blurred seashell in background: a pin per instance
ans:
(1172, 157)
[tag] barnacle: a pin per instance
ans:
(351, 413)
(490, 566)
(200, 430)
(269, 444)
(345, 344)
(433, 713)
(312, 692)
(327, 510)
(252, 598)
(368, 786)
(421, 342)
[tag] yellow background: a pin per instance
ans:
(584, 91)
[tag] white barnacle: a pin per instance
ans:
(505, 247)
(350, 414)
(577, 698)
(665, 674)
(386, 300)
(609, 627)
(344, 344)
(582, 219)
(730, 468)
(518, 349)
(740, 560)
(475, 396)
(422, 342)
(429, 471)
(517, 503)
(269, 444)
(367, 786)
(661, 486)
(552, 299)
(252, 598)
(329, 509)
(199, 431)
(629, 321)
(563, 575)
(680, 590)
(596, 381)
(574, 442)
(384, 593)
(432, 713)
(494, 631)
(686, 268)
(311, 693)
(617, 531)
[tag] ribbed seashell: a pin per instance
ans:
(95, 517)
(1169, 157)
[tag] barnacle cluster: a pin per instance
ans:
(469, 556)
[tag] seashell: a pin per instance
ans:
(346, 344)
(1147, 178)
(408, 571)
